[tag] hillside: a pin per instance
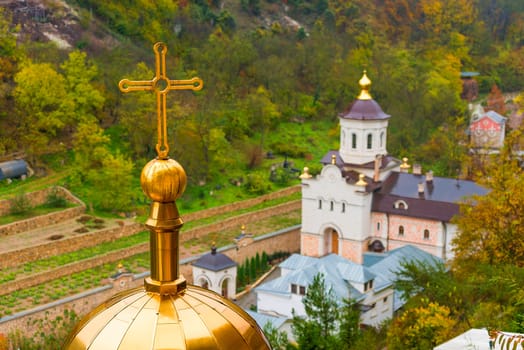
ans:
(276, 75)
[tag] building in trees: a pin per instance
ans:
(367, 201)
(487, 129)
(470, 87)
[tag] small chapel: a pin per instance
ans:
(366, 201)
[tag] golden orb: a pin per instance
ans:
(163, 180)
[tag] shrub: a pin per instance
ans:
(289, 148)
(257, 184)
(282, 176)
(55, 200)
(20, 204)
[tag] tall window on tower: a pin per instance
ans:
(354, 141)
(370, 141)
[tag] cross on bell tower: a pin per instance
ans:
(161, 85)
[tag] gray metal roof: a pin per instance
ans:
(496, 117)
(263, 319)
(338, 274)
(441, 189)
(391, 263)
(214, 261)
(438, 202)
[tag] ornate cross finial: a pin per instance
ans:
(161, 85)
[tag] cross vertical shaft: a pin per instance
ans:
(161, 85)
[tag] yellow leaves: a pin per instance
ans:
(421, 327)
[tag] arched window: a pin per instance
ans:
(401, 230)
(370, 141)
(382, 139)
(426, 234)
(400, 204)
(331, 205)
(378, 225)
(320, 204)
(354, 141)
(343, 207)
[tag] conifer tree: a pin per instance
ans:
(327, 324)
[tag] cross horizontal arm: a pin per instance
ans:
(194, 84)
(126, 85)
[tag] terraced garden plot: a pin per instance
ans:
(92, 278)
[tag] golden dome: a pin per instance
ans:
(365, 84)
(195, 319)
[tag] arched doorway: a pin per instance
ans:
(331, 241)
(225, 288)
(204, 283)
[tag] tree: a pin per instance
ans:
(435, 283)
(329, 323)
(41, 99)
(420, 328)
(110, 175)
(496, 101)
(277, 339)
(9, 58)
(86, 101)
(263, 112)
(491, 227)
(445, 151)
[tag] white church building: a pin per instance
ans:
(362, 217)
(366, 200)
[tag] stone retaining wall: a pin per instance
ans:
(66, 270)
(284, 240)
(39, 198)
(202, 214)
(66, 245)
(240, 220)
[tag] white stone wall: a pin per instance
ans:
(215, 279)
(280, 304)
(361, 128)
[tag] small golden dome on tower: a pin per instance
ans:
(305, 175)
(365, 84)
(404, 167)
(361, 180)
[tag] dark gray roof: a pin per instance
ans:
(439, 201)
(214, 261)
(364, 110)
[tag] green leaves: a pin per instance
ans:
(327, 325)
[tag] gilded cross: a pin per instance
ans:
(161, 85)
